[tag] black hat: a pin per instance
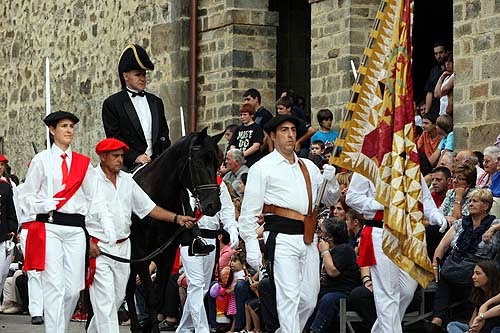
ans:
(53, 118)
(280, 119)
(133, 57)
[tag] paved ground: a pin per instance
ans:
(22, 324)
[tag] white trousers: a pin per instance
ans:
(63, 277)
(5, 261)
(199, 275)
(393, 289)
(296, 275)
(35, 294)
(107, 292)
(10, 292)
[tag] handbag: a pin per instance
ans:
(458, 267)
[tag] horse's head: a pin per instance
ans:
(200, 173)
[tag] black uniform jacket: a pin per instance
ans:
(8, 218)
(120, 121)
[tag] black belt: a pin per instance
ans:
(279, 225)
(205, 233)
(373, 223)
(71, 220)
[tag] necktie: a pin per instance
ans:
(64, 168)
(139, 93)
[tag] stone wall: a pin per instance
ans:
(339, 34)
(83, 40)
(477, 85)
(237, 51)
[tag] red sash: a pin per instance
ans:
(90, 271)
(34, 258)
(366, 255)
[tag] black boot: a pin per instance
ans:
(199, 247)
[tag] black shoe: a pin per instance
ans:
(36, 320)
(166, 325)
(432, 328)
(200, 248)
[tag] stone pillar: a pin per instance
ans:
(339, 33)
(476, 53)
(237, 51)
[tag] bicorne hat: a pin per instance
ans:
(133, 57)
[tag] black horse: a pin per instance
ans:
(191, 163)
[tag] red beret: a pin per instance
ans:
(3, 159)
(110, 144)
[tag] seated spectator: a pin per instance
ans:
(354, 222)
(317, 148)
(429, 141)
(339, 273)
(444, 125)
(470, 236)
(340, 209)
(486, 284)
(343, 178)
(468, 156)
(419, 112)
(444, 86)
(491, 154)
(235, 164)
(456, 203)
(447, 160)
(325, 133)
(248, 137)
(495, 181)
(239, 292)
(441, 183)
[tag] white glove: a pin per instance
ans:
(328, 172)
(443, 223)
(234, 238)
(47, 205)
(254, 257)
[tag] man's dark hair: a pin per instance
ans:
(253, 93)
(440, 43)
(444, 170)
(324, 114)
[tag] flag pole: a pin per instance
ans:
(183, 125)
(50, 184)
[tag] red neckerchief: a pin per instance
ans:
(366, 255)
(34, 258)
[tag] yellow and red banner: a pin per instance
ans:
(379, 142)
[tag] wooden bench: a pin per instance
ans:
(348, 317)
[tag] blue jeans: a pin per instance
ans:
(327, 311)
(241, 293)
(495, 330)
(457, 327)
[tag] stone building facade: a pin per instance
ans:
(241, 44)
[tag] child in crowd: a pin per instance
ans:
(317, 148)
(325, 133)
(248, 137)
(237, 265)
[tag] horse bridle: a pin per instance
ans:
(198, 190)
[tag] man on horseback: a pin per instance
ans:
(133, 115)
(109, 279)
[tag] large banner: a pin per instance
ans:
(378, 137)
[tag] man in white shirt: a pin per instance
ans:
(124, 197)
(277, 181)
(199, 269)
(393, 288)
